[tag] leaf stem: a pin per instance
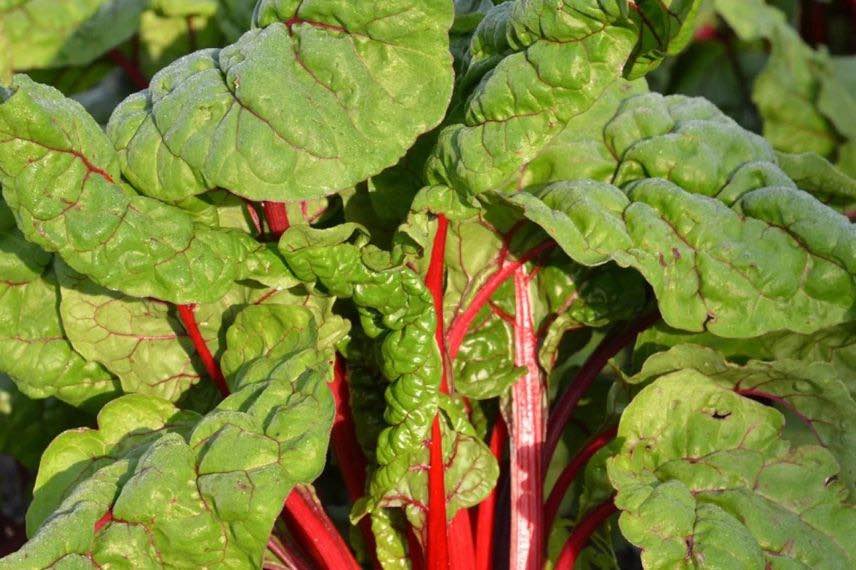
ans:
(288, 559)
(582, 533)
(188, 319)
(307, 520)
(131, 69)
(346, 449)
(277, 218)
(564, 408)
(461, 323)
(486, 516)
(570, 472)
(526, 437)
(437, 539)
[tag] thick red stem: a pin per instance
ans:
(307, 520)
(277, 218)
(570, 472)
(487, 509)
(582, 533)
(567, 403)
(527, 437)
(188, 319)
(438, 540)
(461, 324)
(130, 68)
(347, 450)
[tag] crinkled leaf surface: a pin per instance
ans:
(34, 350)
(174, 481)
(357, 83)
(728, 242)
(815, 392)
(55, 33)
(524, 91)
(704, 479)
(61, 179)
(815, 174)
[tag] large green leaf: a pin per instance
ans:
(55, 33)
(357, 83)
(34, 350)
(815, 392)
(61, 178)
(728, 242)
(187, 490)
(704, 479)
(524, 91)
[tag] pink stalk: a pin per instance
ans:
(582, 533)
(461, 324)
(287, 558)
(567, 403)
(527, 438)
(569, 474)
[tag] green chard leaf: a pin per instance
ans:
(174, 481)
(34, 349)
(704, 479)
(699, 207)
(56, 33)
(523, 91)
(358, 83)
(814, 392)
(61, 180)
(396, 311)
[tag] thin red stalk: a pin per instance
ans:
(307, 520)
(288, 559)
(486, 517)
(461, 323)
(130, 68)
(582, 533)
(570, 472)
(526, 438)
(277, 218)
(188, 319)
(438, 540)
(567, 403)
(347, 450)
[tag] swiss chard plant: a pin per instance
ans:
(426, 284)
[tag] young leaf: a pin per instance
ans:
(62, 182)
(358, 83)
(704, 479)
